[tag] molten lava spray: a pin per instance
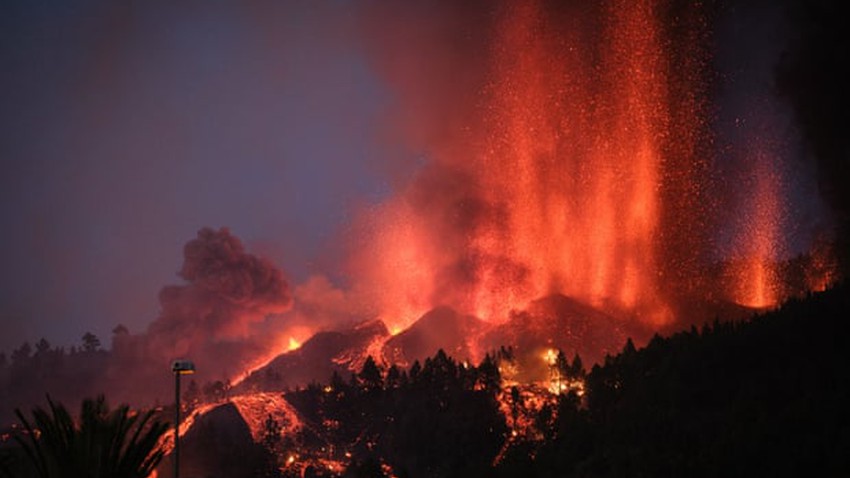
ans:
(576, 158)
(558, 186)
(758, 280)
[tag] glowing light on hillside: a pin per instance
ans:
(551, 357)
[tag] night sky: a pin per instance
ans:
(126, 127)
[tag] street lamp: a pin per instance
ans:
(179, 367)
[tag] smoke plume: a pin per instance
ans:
(227, 291)
(813, 77)
(222, 318)
(552, 136)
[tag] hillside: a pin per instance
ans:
(763, 397)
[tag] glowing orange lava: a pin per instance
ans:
(823, 270)
(286, 342)
(293, 344)
(581, 181)
(758, 281)
(588, 167)
(561, 190)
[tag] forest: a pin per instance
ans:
(761, 397)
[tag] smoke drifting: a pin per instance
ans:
(228, 290)
(572, 125)
(813, 77)
(572, 148)
(535, 148)
(226, 108)
(222, 318)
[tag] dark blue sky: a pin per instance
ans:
(127, 126)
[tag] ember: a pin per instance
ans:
(586, 172)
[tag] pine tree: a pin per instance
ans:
(370, 375)
(90, 342)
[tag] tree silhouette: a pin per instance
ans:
(370, 375)
(21, 354)
(104, 443)
(271, 440)
(393, 377)
(193, 394)
(90, 342)
(42, 347)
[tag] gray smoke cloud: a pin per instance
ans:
(225, 316)
(227, 291)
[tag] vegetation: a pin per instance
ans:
(68, 375)
(765, 397)
(440, 418)
(116, 443)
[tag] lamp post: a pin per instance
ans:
(179, 367)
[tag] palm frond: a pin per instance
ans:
(102, 443)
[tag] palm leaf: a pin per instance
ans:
(102, 443)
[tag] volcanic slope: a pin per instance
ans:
(782, 371)
(552, 322)
(441, 328)
(318, 358)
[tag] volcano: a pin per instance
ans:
(557, 322)
(441, 328)
(319, 357)
(552, 322)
